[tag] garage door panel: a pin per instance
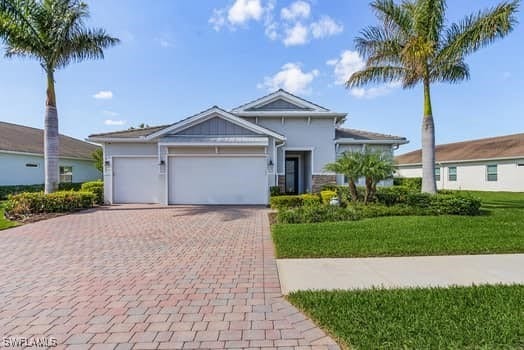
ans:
(135, 180)
(217, 180)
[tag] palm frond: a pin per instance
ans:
(379, 46)
(86, 44)
(450, 72)
(375, 75)
(479, 30)
(429, 19)
(394, 17)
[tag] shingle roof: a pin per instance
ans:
(139, 132)
(343, 133)
(489, 148)
(20, 138)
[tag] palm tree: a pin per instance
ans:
(376, 166)
(348, 164)
(413, 45)
(54, 33)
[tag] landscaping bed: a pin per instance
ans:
(478, 317)
(499, 229)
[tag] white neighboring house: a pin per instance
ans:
(22, 157)
(232, 157)
(490, 164)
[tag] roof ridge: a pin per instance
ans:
(369, 132)
(275, 92)
(128, 130)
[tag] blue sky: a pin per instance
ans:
(180, 57)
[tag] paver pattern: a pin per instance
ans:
(149, 277)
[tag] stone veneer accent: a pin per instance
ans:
(321, 180)
(282, 183)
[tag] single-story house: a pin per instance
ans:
(232, 157)
(22, 157)
(490, 164)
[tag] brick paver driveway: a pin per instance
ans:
(149, 277)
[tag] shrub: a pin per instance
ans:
(392, 195)
(5, 191)
(455, 204)
(312, 214)
(414, 183)
(274, 191)
(97, 188)
(26, 204)
(327, 195)
(286, 202)
(378, 210)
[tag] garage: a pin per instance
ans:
(135, 180)
(206, 179)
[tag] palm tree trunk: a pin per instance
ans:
(51, 136)
(353, 190)
(429, 184)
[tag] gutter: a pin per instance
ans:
(349, 141)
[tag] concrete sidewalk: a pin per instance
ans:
(400, 272)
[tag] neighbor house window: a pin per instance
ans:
(492, 172)
(437, 173)
(452, 173)
(66, 174)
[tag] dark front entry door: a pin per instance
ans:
(292, 175)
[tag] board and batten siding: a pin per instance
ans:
(14, 169)
(473, 175)
(215, 126)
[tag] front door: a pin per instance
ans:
(292, 175)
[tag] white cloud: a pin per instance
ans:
(298, 9)
(110, 113)
(325, 27)
(296, 35)
(164, 41)
(291, 78)
(245, 10)
(270, 25)
(350, 62)
(103, 95)
(112, 122)
(217, 19)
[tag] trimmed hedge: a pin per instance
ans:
(413, 183)
(286, 202)
(274, 191)
(5, 191)
(95, 187)
(23, 205)
(316, 213)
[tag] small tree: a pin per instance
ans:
(375, 167)
(349, 165)
(98, 157)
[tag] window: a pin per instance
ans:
(491, 171)
(437, 173)
(66, 174)
(452, 173)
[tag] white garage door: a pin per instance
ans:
(218, 180)
(135, 180)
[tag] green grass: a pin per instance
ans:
(482, 317)
(499, 230)
(4, 223)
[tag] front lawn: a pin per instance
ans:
(4, 223)
(499, 230)
(481, 317)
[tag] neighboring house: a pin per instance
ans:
(491, 164)
(232, 157)
(22, 157)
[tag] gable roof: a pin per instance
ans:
(146, 134)
(508, 146)
(299, 102)
(25, 139)
(345, 135)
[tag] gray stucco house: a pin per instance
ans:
(232, 157)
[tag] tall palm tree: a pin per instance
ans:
(54, 33)
(412, 45)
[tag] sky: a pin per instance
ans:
(177, 58)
